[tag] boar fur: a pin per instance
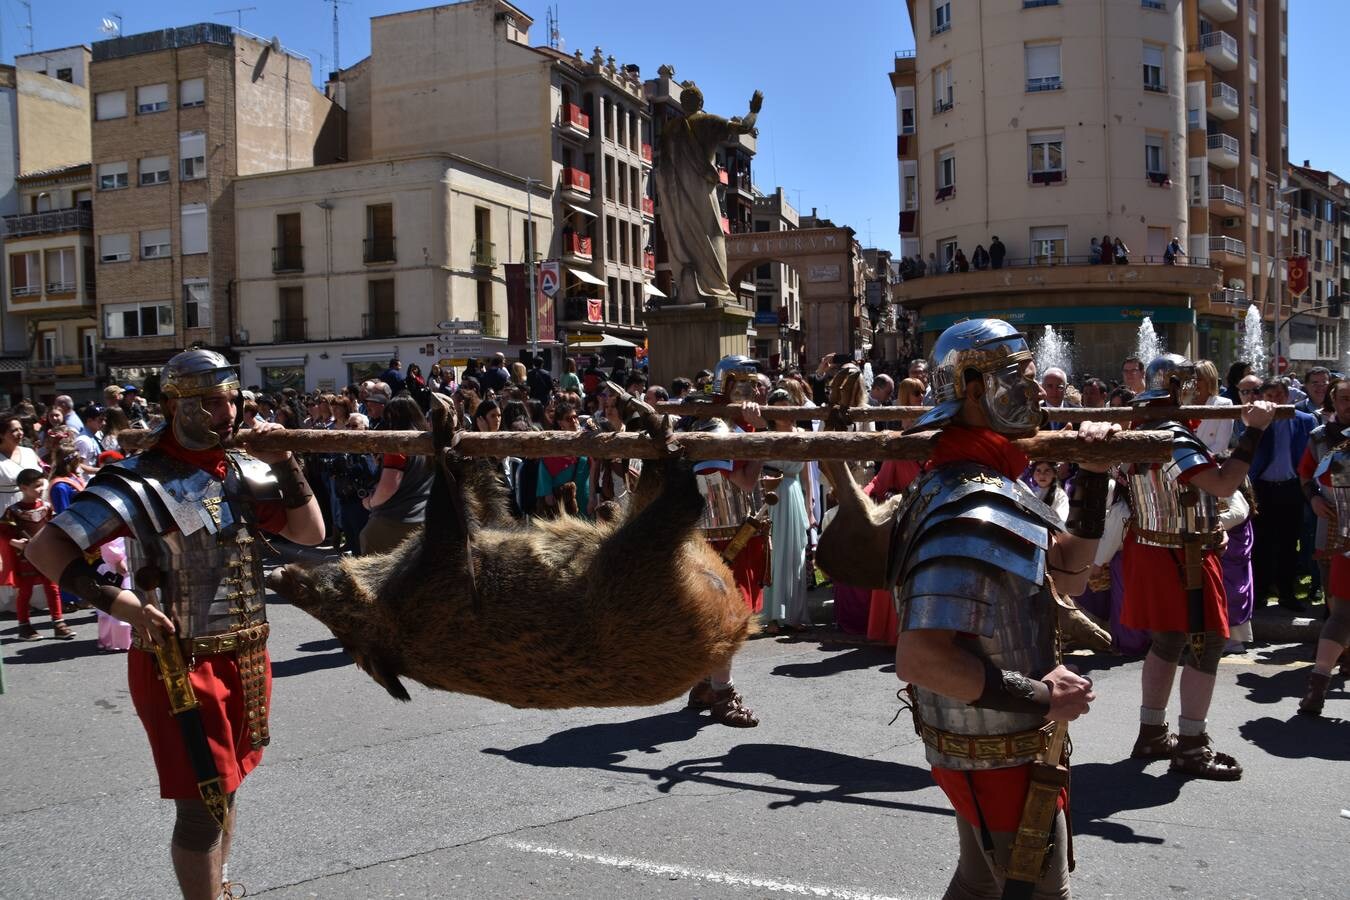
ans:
(558, 613)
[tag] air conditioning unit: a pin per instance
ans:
(241, 336)
(1237, 284)
(1232, 222)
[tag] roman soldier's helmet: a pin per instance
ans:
(188, 378)
(1170, 376)
(999, 353)
(733, 374)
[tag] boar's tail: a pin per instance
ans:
(446, 534)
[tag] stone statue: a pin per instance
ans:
(686, 184)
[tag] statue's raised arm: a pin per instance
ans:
(747, 125)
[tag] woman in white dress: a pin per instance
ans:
(785, 597)
(1216, 433)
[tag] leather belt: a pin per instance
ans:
(211, 644)
(987, 746)
(1168, 539)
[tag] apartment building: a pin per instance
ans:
(778, 310)
(1316, 331)
(736, 193)
(177, 115)
(1047, 125)
(343, 267)
(1237, 151)
(49, 320)
(463, 78)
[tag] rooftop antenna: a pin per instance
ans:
(239, 13)
(337, 64)
(323, 69)
(111, 25)
(27, 5)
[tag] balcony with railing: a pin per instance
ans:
(288, 258)
(484, 254)
(1220, 49)
(1158, 5)
(47, 368)
(379, 250)
(1219, 10)
(1222, 150)
(1226, 249)
(491, 323)
(1044, 83)
(379, 325)
(25, 291)
(288, 331)
(576, 246)
(1226, 200)
(1232, 298)
(580, 308)
(648, 208)
(576, 120)
(1223, 101)
(57, 221)
(577, 182)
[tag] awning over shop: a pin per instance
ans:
(585, 276)
(581, 209)
(598, 340)
(652, 290)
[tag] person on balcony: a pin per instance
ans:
(1172, 252)
(980, 258)
(996, 253)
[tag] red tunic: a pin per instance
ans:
(215, 679)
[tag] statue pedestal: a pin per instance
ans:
(683, 339)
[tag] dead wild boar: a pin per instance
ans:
(568, 612)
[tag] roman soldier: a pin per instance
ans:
(735, 523)
(199, 673)
(973, 552)
(1173, 579)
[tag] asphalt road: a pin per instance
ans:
(447, 796)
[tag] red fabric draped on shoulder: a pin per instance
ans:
(962, 443)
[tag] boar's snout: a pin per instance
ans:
(290, 582)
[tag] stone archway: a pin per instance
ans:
(829, 277)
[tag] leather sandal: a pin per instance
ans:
(1154, 742)
(28, 633)
(1315, 697)
(1196, 757)
(702, 695)
(729, 708)
(62, 631)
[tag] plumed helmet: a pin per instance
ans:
(998, 352)
(1166, 374)
(197, 373)
(188, 378)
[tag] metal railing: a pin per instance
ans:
(1233, 296)
(61, 287)
(941, 106)
(1044, 83)
(55, 221)
(1153, 4)
(25, 290)
(491, 323)
(64, 365)
(1231, 246)
(1222, 142)
(379, 325)
(484, 254)
(1033, 4)
(1225, 93)
(379, 250)
(1221, 39)
(288, 258)
(288, 330)
(1230, 195)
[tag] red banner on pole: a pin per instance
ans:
(1298, 275)
(517, 304)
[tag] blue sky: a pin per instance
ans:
(827, 131)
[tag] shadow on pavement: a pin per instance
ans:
(50, 649)
(1280, 685)
(1302, 737)
(607, 746)
(313, 663)
(1102, 790)
(853, 657)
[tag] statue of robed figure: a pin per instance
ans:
(686, 184)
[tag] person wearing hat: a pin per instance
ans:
(192, 511)
(377, 398)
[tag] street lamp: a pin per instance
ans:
(529, 263)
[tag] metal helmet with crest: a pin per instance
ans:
(999, 353)
(1169, 376)
(734, 377)
(188, 378)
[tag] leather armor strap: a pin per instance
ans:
(1009, 691)
(987, 746)
(1087, 504)
(82, 579)
(295, 490)
(1247, 444)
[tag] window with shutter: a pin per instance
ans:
(110, 105)
(152, 98)
(1153, 69)
(192, 155)
(112, 176)
(114, 248)
(192, 228)
(191, 92)
(155, 244)
(154, 170)
(1043, 72)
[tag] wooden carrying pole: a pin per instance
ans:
(1061, 446)
(1121, 414)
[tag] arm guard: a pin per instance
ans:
(1311, 489)
(1087, 505)
(1247, 444)
(1009, 691)
(295, 490)
(82, 580)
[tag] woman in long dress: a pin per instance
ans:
(785, 597)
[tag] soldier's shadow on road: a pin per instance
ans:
(1102, 790)
(853, 658)
(829, 777)
(1282, 685)
(1302, 737)
(314, 660)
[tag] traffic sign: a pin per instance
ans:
(460, 345)
(550, 277)
(1281, 365)
(468, 325)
